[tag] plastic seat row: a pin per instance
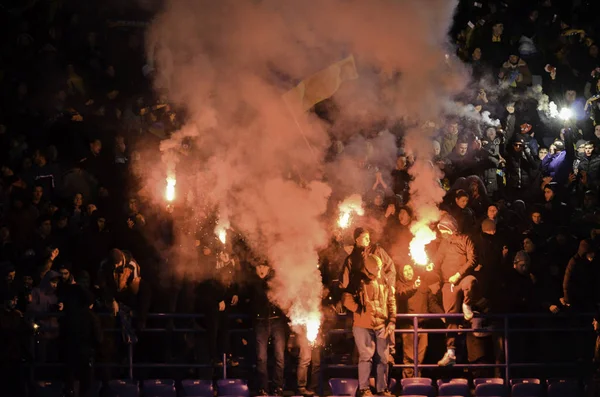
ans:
(484, 387)
(157, 388)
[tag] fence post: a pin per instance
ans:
(506, 355)
(224, 365)
(416, 346)
(131, 361)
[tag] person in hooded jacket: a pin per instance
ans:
(520, 169)
(460, 211)
(491, 144)
(81, 336)
(455, 260)
(374, 319)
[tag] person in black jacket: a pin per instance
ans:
(269, 322)
(14, 333)
(590, 164)
(223, 296)
(81, 335)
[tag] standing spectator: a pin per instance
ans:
(81, 336)
(269, 322)
(374, 319)
(415, 297)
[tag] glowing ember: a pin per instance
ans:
(170, 190)
(350, 205)
(423, 235)
(221, 230)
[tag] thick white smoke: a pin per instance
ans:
(228, 62)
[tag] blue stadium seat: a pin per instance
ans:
(232, 387)
(420, 381)
(455, 388)
(123, 388)
(460, 381)
(159, 388)
(343, 386)
(489, 387)
(529, 387)
(49, 388)
(197, 388)
(562, 388)
(419, 389)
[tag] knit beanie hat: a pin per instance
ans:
(448, 223)
(521, 256)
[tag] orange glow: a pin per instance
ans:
(423, 235)
(351, 205)
(311, 321)
(221, 230)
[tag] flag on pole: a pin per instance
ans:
(321, 85)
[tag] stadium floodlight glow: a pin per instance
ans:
(565, 114)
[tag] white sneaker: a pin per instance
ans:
(467, 312)
(447, 360)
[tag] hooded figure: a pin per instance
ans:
(455, 260)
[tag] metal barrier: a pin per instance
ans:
(505, 331)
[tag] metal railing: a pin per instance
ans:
(505, 331)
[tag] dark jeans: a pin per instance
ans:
(408, 349)
(79, 368)
(452, 299)
(218, 333)
(265, 329)
(308, 355)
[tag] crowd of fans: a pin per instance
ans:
(521, 217)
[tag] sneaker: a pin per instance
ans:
(262, 392)
(303, 391)
(385, 393)
(365, 393)
(447, 360)
(467, 312)
(278, 391)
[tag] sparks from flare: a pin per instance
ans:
(350, 205)
(170, 190)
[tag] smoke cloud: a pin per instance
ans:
(228, 62)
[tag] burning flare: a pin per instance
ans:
(221, 230)
(310, 321)
(170, 190)
(352, 204)
(423, 235)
